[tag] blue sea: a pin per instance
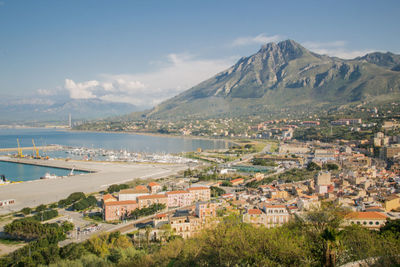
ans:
(112, 141)
(109, 141)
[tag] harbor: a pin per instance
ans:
(102, 175)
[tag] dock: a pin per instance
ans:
(11, 149)
(58, 164)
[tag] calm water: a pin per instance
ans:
(24, 172)
(111, 141)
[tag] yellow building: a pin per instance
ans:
(391, 203)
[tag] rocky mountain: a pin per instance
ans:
(42, 110)
(286, 75)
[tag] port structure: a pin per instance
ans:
(20, 155)
(35, 150)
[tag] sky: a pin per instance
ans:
(143, 52)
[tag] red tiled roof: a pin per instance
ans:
(108, 197)
(162, 215)
(151, 184)
(274, 206)
(254, 211)
(151, 196)
(198, 188)
(141, 187)
(117, 203)
(177, 192)
(237, 180)
(134, 191)
(368, 215)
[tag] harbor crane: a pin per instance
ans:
(35, 150)
(20, 155)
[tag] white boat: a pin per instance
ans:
(49, 176)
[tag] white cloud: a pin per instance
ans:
(259, 39)
(335, 48)
(178, 73)
(81, 90)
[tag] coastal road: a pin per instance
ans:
(34, 193)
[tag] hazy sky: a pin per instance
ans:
(145, 51)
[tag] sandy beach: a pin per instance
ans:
(34, 193)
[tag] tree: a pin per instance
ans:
(40, 208)
(331, 166)
(26, 211)
(312, 166)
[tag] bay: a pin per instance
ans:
(111, 141)
(24, 172)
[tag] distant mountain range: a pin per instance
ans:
(45, 110)
(286, 75)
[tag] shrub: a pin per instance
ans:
(26, 211)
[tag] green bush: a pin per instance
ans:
(26, 211)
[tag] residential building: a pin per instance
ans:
(200, 193)
(369, 219)
(255, 217)
(391, 203)
(148, 200)
(108, 198)
(179, 198)
(308, 202)
(206, 210)
(323, 178)
(160, 219)
(132, 193)
(237, 181)
(118, 210)
(276, 215)
(185, 225)
(310, 123)
(154, 187)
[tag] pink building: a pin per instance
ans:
(200, 193)
(118, 210)
(179, 198)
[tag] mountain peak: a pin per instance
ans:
(289, 49)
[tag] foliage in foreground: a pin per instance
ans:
(315, 239)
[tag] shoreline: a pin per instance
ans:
(153, 134)
(45, 191)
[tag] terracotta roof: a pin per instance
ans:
(368, 215)
(177, 192)
(198, 188)
(254, 211)
(108, 197)
(237, 180)
(151, 184)
(134, 190)
(162, 215)
(274, 206)
(118, 203)
(151, 196)
(141, 187)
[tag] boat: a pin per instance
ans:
(49, 176)
(3, 180)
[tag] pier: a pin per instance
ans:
(11, 149)
(59, 164)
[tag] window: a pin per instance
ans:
(377, 223)
(358, 223)
(371, 223)
(365, 223)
